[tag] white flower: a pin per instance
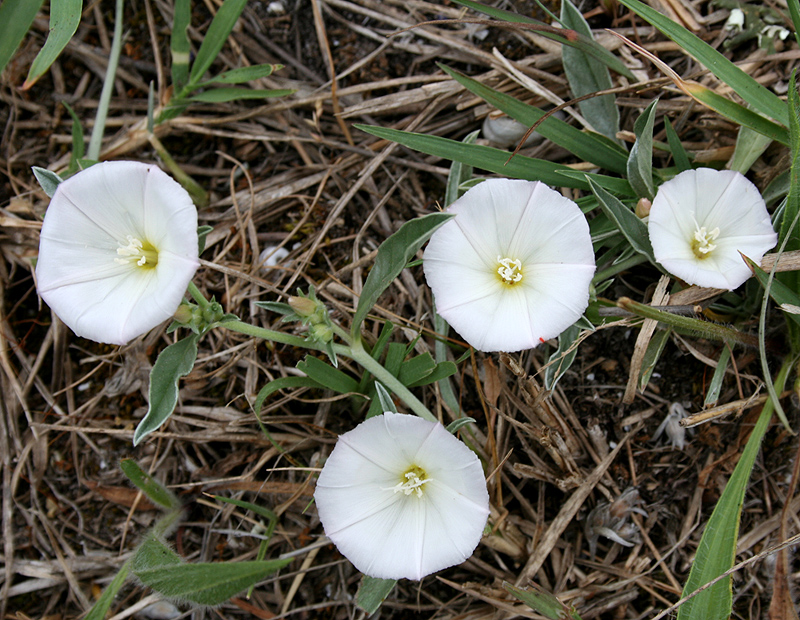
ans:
(702, 219)
(117, 250)
(400, 497)
(513, 267)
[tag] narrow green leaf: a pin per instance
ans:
(393, 256)
(416, 368)
(715, 385)
(487, 158)
(243, 74)
(717, 549)
(634, 229)
(679, 154)
(100, 609)
(442, 371)
(584, 145)
(372, 592)
(48, 180)
(589, 46)
(457, 425)
(259, 510)
(793, 203)
(78, 141)
(385, 399)
(459, 173)
(16, 17)
(750, 144)
(640, 161)
(794, 11)
(65, 16)
(562, 358)
(281, 384)
(180, 47)
(737, 112)
(654, 350)
(778, 291)
(542, 601)
(222, 95)
(611, 184)
(587, 75)
(743, 84)
(208, 583)
(778, 189)
(221, 26)
(327, 376)
(154, 490)
(174, 362)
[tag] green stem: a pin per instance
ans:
(355, 352)
(704, 329)
(358, 354)
(108, 86)
(197, 295)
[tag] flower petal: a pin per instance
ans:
(519, 220)
(388, 534)
(712, 199)
(92, 215)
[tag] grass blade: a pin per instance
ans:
(640, 161)
(180, 47)
(16, 17)
(745, 86)
(65, 16)
(215, 38)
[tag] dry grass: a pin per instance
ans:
(293, 173)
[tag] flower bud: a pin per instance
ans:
(643, 208)
(183, 314)
(303, 306)
(320, 332)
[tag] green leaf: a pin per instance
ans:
(174, 362)
(180, 48)
(584, 145)
(100, 609)
(160, 568)
(794, 11)
(442, 371)
(327, 376)
(542, 601)
(48, 180)
(750, 144)
(459, 173)
(393, 256)
(384, 398)
(743, 84)
(715, 385)
(221, 95)
(485, 157)
(416, 368)
(612, 184)
(154, 490)
(581, 42)
(560, 361)
(259, 510)
(793, 203)
(243, 74)
(654, 350)
(588, 75)
(16, 17)
(457, 425)
(778, 291)
(679, 154)
(65, 16)
(221, 26)
(736, 112)
(640, 161)
(78, 141)
(717, 549)
(372, 592)
(634, 229)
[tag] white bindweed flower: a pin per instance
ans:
(401, 497)
(513, 267)
(117, 250)
(702, 219)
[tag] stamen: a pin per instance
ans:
(414, 478)
(703, 243)
(510, 270)
(136, 252)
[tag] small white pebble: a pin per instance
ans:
(276, 8)
(160, 610)
(271, 256)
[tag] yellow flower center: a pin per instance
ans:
(411, 481)
(509, 270)
(141, 254)
(703, 242)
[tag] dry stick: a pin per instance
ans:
(781, 593)
(322, 35)
(568, 512)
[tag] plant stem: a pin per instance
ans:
(273, 336)
(358, 354)
(108, 86)
(197, 295)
